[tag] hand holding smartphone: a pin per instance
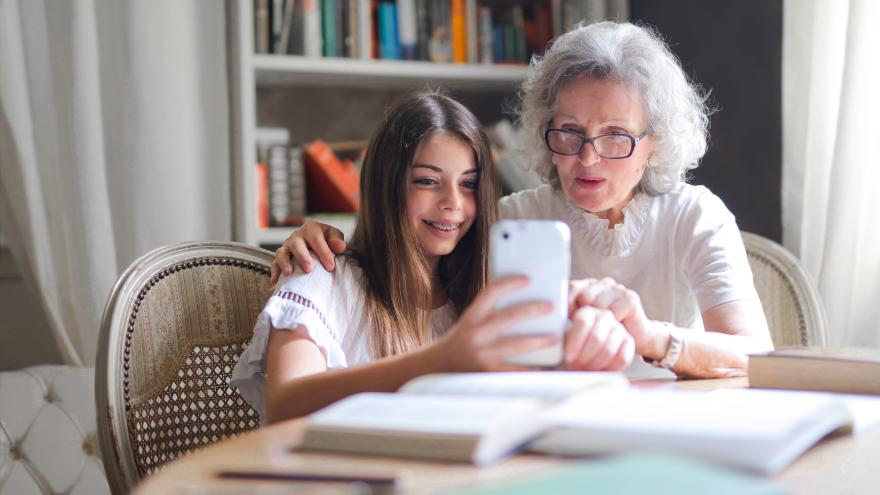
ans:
(540, 250)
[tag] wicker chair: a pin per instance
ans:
(173, 328)
(791, 302)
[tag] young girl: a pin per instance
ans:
(388, 311)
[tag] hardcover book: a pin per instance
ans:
(813, 368)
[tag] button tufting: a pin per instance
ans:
(89, 445)
(15, 451)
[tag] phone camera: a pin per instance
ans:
(505, 236)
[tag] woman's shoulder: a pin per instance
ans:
(692, 202)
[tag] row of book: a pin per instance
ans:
(460, 31)
(294, 180)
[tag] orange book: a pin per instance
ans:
(459, 32)
(333, 184)
(262, 186)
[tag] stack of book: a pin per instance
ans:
(293, 181)
(461, 31)
(280, 179)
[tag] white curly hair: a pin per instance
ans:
(635, 56)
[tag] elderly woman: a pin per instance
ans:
(614, 125)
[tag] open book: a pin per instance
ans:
(471, 417)
(757, 430)
(481, 418)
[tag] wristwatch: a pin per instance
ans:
(673, 351)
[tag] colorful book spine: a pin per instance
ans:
(329, 22)
(333, 183)
(406, 26)
(261, 181)
(485, 29)
(388, 36)
(473, 38)
(459, 32)
(313, 40)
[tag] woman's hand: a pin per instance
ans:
(324, 240)
(477, 341)
(626, 307)
(596, 341)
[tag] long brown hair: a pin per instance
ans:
(397, 278)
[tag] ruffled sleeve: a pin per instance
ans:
(300, 300)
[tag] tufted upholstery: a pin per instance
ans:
(791, 302)
(48, 442)
(173, 328)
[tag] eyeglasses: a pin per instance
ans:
(615, 146)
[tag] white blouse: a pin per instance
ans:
(681, 252)
(330, 306)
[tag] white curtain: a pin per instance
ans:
(831, 157)
(113, 141)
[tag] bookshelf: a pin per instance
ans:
(264, 86)
(252, 75)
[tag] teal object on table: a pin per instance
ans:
(631, 474)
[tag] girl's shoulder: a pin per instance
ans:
(344, 278)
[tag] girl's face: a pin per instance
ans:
(441, 194)
(593, 107)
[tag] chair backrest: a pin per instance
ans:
(174, 326)
(791, 302)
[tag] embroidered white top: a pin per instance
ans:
(681, 252)
(330, 306)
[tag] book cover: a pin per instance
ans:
(333, 184)
(813, 368)
(657, 475)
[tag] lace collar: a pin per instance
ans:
(592, 231)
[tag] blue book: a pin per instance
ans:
(330, 21)
(388, 35)
(633, 474)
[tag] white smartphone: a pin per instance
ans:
(540, 250)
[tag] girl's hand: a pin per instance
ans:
(624, 304)
(476, 342)
(324, 240)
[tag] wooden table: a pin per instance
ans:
(836, 465)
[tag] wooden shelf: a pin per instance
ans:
(276, 235)
(283, 70)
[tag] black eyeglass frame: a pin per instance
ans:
(634, 140)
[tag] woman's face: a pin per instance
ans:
(442, 194)
(593, 107)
